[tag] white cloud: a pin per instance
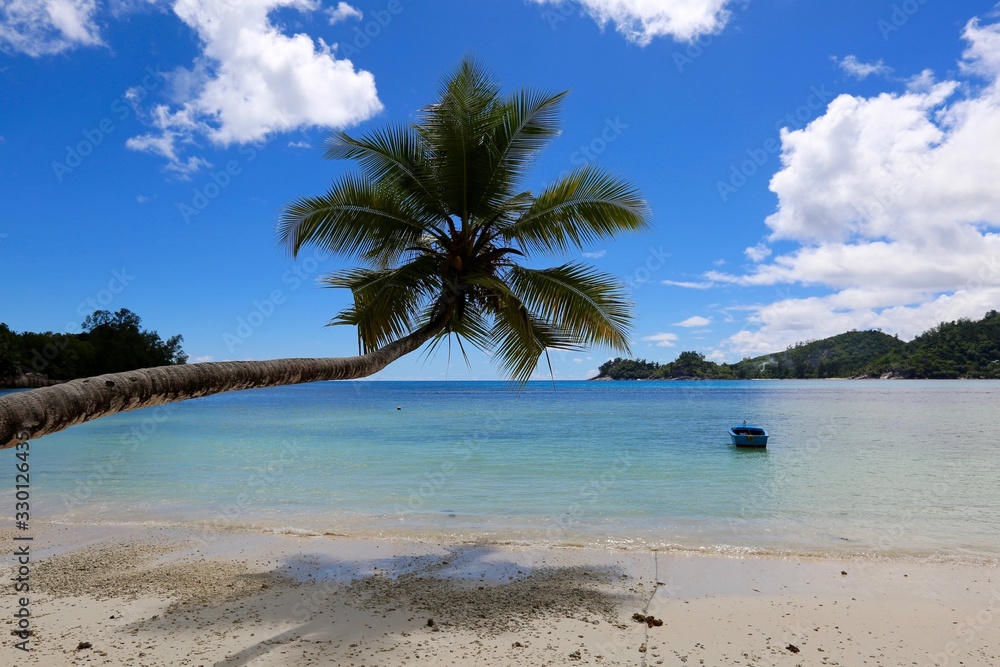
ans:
(299, 144)
(662, 339)
(252, 81)
(595, 255)
(201, 360)
(45, 27)
(893, 202)
(688, 285)
(342, 12)
(696, 321)
(922, 82)
(122, 8)
(716, 355)
(861, 70)
(791, 321)
(641, 21)
(757, 253)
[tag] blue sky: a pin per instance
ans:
(812, 167)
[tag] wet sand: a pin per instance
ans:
(144, 596)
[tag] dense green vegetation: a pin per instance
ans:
(964, 348)
(961, 349)
(109, 343)
(845, 355)
(687, 366)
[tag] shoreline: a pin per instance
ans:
(757, 542)
(144, 595)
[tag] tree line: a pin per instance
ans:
(109, 343)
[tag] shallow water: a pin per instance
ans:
(895, 468)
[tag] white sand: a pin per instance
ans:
(151, 596)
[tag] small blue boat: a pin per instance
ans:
(748, 436)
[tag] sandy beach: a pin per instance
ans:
(145, 596)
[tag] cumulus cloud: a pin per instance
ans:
(641, 21)
(342, 12)
(893, 203)
(861, 70)
(45, 27)
(595, 255)
(662, 339)
(251, 81)
(757, 253)
(696, 321)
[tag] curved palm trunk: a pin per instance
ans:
(35, 413)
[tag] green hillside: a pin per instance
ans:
(960, 349)
(965, 348)
(845, 355)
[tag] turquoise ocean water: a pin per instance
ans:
(895, 468)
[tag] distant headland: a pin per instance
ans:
(968, 349)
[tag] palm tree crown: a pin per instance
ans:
(439, 218)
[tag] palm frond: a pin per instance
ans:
(520, 338)
(396, 155)
(593, 308)
(503, 215)
(523, 125)
(388, 303)
(354, 218)
(585, 206)
(455, 132)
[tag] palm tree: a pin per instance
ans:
(441, 222)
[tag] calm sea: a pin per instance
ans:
(897, 468)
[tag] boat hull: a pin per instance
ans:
(748, 436)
